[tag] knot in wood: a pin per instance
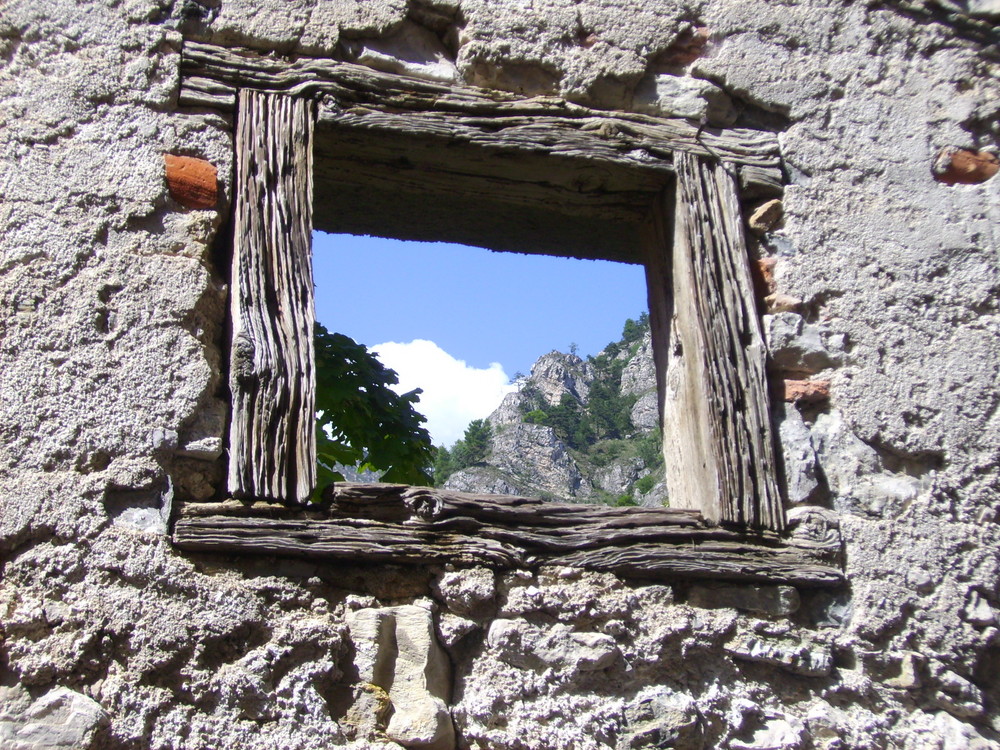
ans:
(423, 505)
(242, 360)
(604, 128)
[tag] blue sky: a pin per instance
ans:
(489, 315)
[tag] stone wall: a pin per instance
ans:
(111, 400)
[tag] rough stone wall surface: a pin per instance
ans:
(113, 300)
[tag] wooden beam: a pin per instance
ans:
(272, 441)
(709, 352)
(420, 525)
(359, 98)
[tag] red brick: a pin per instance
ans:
(689, 47)
(762, 274)
(959, 166)
(807, 391)
(193, 182)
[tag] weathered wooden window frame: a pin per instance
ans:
(708, 348)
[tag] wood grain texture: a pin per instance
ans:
(357, 97)
(709, 352)
(402, 157)
(272, 442)
(421, 525)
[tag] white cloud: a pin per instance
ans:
(454, 393)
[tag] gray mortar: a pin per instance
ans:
(113, 312)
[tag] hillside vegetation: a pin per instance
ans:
(579, 430)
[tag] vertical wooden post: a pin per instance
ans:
(709, 352)
(272, 439)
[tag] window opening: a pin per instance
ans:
(567, 173)
(466, 325)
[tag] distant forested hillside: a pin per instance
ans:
(578, 430)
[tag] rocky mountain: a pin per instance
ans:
(577, 430)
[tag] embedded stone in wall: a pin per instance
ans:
(766, 217)
(397, 651)
(659, 717)
(794, 345)
(806, 391)
(768, 600)
(809, 660)
(779, 303)
(411, 50)
(775, 732)
(762, 272)
(953, 733)
(680, 96)
(908, 678)
(469, 591)
(203, 439)
(528, 646)
(958, 695)
(453, 628)
(798, 456)
(61, 718)
(688, 47)
(978, 610)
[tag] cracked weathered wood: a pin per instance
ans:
(360, 97)
(212, 75)
(709, 352)
(272, 442)
(402, 157)
(419, 525)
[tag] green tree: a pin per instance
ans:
(361, 421)
(565, 419)
(444, 465)
(474, 445)
(468, 451)
(631, 332)
(536, 416)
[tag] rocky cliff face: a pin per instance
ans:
(533, 453)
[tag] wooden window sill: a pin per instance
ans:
(402, 524)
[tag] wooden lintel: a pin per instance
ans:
(360, 98)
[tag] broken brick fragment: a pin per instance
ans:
(689, 47)
(806, 391)
(766, 217)
(779, 303)
(960, 166)
(193, 182)
(762, 274)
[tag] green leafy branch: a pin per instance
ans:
(361, 421)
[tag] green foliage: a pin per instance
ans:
(566, 420)
(468, 451)
(645, 484)
(444, 465)
(361, 421)
(606, 451)
(474, 445)
(625, 501)
(609, 411)
(649, 448)
(536, 416)
(634, 330)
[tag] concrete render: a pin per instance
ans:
(112, 401)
